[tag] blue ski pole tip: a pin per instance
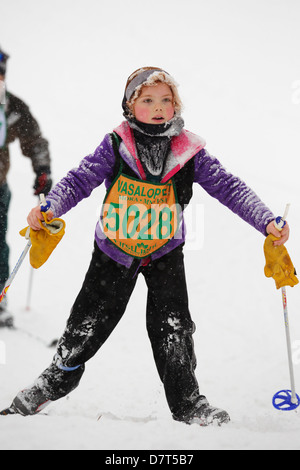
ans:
(282, 400)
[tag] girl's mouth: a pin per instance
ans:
(158, 118)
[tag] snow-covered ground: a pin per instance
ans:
(237, 64)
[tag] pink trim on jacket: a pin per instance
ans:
(183, 147)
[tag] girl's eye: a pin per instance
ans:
(150, 100)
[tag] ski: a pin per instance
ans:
(7, 322)
(8, 411)
(52, 343)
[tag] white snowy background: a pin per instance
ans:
(237, 64)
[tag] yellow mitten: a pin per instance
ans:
(45, 240)
(279, 264)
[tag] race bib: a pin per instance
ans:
(140, 217)
(2, 127)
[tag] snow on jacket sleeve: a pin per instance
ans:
(81, 181)
(231, 191)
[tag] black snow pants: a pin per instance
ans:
(97, 310)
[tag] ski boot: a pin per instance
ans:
(205, 415)
(29, 401)
(6, 318)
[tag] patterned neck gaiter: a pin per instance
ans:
(153, 142)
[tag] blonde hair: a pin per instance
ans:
(151, 79)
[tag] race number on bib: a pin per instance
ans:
(140, 217)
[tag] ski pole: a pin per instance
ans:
(286, 399)
(44, 207)
(29, 288)
(16, 268)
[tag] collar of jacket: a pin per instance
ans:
(9, 103)
(5, 101)
(183, 147)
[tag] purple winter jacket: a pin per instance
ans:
(98, 167)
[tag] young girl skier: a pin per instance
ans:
(149, 164)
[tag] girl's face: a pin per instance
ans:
(155, 105)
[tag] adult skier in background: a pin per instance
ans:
(149, 165)
(17, 122)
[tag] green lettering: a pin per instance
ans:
(124, 188)
(137, 191)
(130, 189)
(157, 192)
